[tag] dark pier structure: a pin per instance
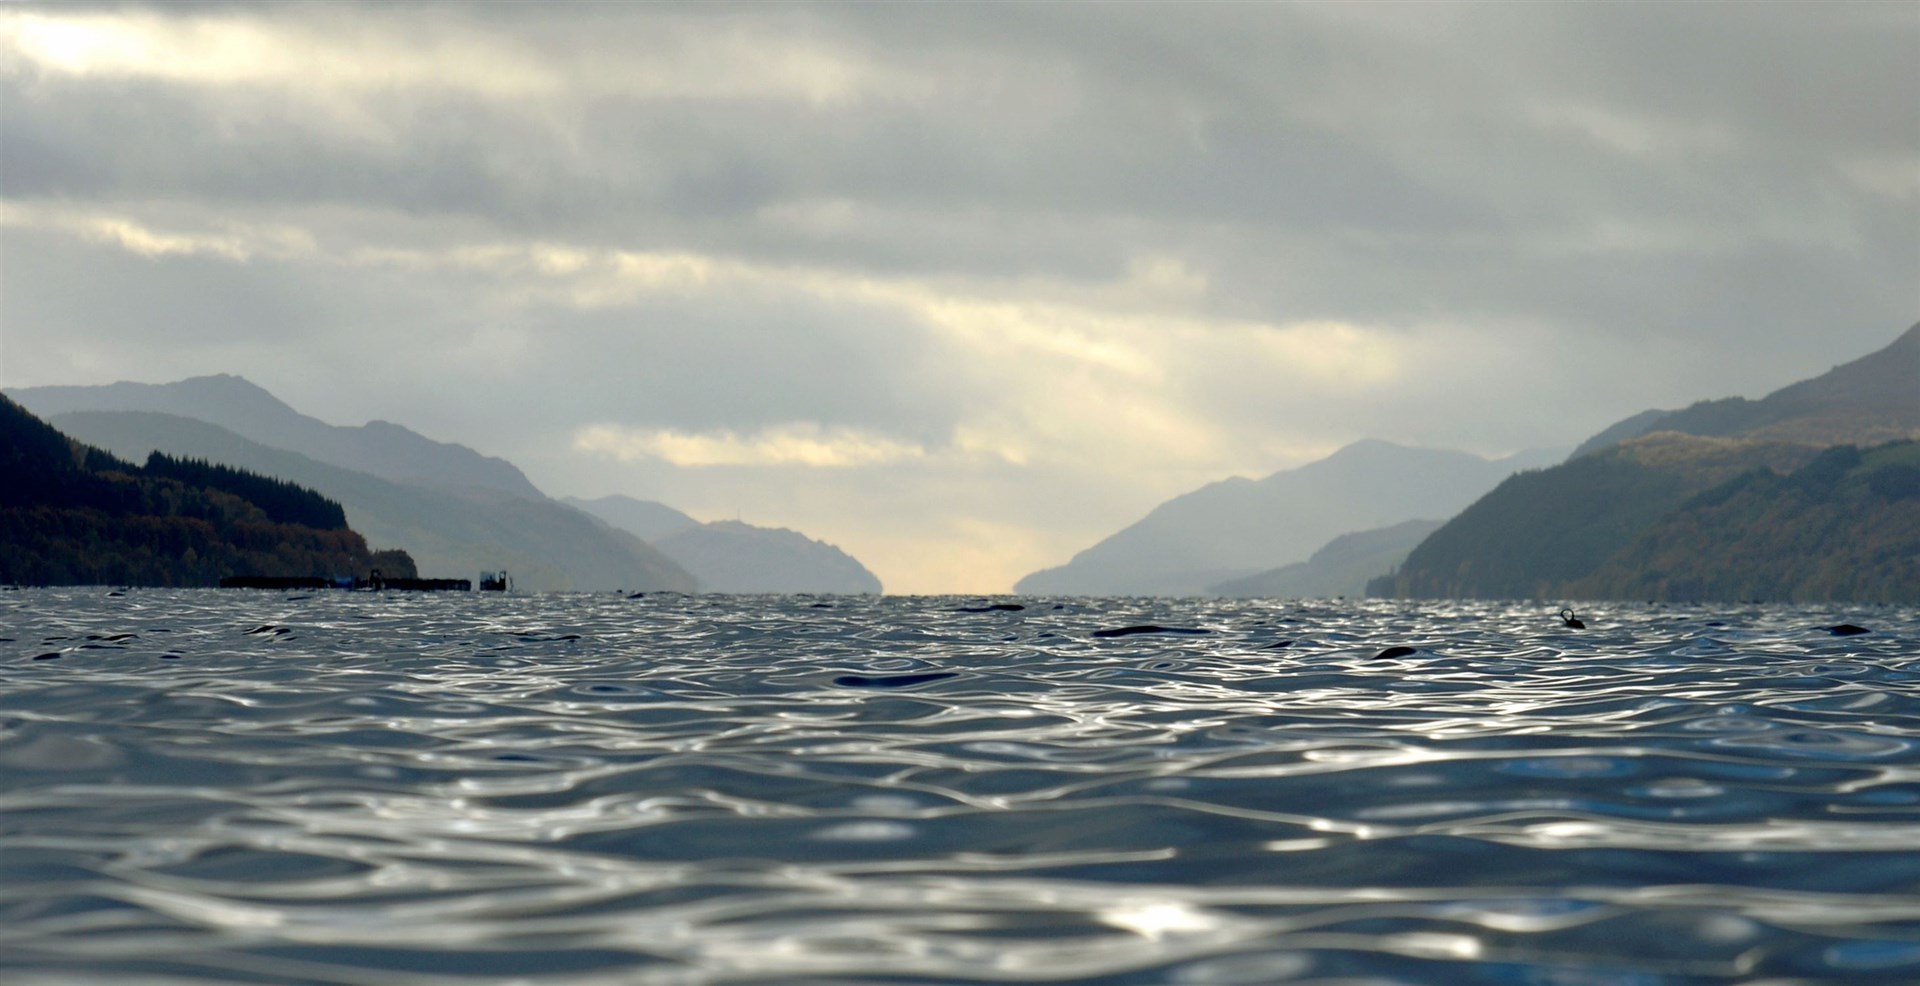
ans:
(373, 582)
(418, 585)
(275, 582)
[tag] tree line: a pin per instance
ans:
(71, 514)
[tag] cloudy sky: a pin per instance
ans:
(960, 287)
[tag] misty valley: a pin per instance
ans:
(1810, 493)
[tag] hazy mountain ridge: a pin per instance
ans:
(648, 520)
(1342, 568)
(71, 514)
(1621, 431)
(546, 545)
(379, 448)
(1617, 521)
(1868, 401)
(457, 510)
(730, 556)
(1239, 527)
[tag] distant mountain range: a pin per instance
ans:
(449, 532)
(1810, 493)
(729, 556)
(1239, 527)
(1871, 400)
(378, 448)
(71, 514)
(457, 511)
(648, 520)
(1342, 568)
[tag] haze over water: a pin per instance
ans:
(204, 786)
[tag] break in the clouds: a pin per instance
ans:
(960, 287)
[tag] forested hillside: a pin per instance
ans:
(71, 514)
(1673, 517)
(1540, 530)
(546, 545)
(1727, 499)
(1844, 527)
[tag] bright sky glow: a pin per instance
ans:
(795, 444)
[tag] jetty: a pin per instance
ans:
(375, 582)
(277, 582)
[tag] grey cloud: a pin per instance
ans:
(742, 364)
(1837, 76)
(1124, 151)
(1193, 134)
(60, 290)
(715, 367)
(1181, 123)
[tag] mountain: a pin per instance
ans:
(71, 514)
(647, 520)
(1726, 478)
(379, 448)
(1868, 401)
(1238, 527)
(1844, 527)
(1342, 568)
(1620, 431)
(729, 556)
(545, 544)
(1539, 531)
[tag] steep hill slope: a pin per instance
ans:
(1539, 531)
(1714, 479)
(1238, 527)
(1868, 401)
(1844, 527)
(71, 514)
(378, 448)
(545, 544)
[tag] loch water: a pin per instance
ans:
(206, 786)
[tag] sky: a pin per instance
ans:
(959, 287)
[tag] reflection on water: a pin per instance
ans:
(202, 786)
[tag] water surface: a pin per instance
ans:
(330, 787)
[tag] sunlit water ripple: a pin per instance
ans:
(207, 786)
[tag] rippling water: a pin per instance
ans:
(208, 786)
